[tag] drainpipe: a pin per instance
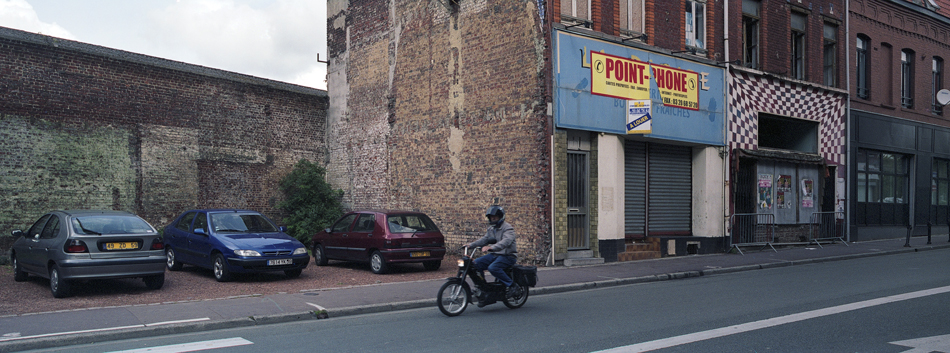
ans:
(552, 201)
(727, 118)
(847, 117)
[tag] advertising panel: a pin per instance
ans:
(598, 84)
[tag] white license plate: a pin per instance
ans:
(280, 262)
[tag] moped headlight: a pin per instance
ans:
(461, 263)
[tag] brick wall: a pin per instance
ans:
(83, 126)
(899, 28)
(442, 110)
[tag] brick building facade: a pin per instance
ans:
(900, 137)
(85, 126)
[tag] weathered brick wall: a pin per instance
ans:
(83, 126)
(442, 110)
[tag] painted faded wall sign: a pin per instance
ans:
(595, 80)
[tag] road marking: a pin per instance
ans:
(316, 306)
(193, 346)
(751, 326)
(100, 329)
(926, 344)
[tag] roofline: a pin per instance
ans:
(116, 54)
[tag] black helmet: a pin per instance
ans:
(495, 210)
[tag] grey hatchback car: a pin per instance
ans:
(66, 246)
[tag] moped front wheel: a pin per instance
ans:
(453, 298)
(518, 297)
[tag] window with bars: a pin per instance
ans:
(798, 46)
(830, 67)
(907, 78)
(863, 62)
(695, 24)
(750, 33)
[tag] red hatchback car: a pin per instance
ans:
(381, 238)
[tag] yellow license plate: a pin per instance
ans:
(419, 254)
(127, 245)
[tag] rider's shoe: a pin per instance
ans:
(512, 291)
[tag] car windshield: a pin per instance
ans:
(408, 223)
(110, 224)
(241, 223)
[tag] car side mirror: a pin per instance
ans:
(327, 230)
(17, 233)
(200, 231)
(282, 229)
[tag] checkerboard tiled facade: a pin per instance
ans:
(751, 94)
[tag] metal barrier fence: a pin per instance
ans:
(824, 227)
(752, 229)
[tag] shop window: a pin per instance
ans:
(883, 181)
(787, 133)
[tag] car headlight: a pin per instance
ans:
(246, 253)
(300, 251)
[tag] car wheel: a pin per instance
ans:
(172, 262)
(432, 265)
(58, 285)
(319, 255)
(293, 273)
(18, 274)
(155, 282)
(377, 263)
(220, 267)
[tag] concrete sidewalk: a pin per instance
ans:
(73, 327)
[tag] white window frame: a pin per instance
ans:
(693, 29)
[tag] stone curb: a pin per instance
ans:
(191, 327)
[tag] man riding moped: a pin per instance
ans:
(498, 256)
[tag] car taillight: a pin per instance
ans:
(76, 246)
(157, 244)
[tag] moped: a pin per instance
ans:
(456, 294)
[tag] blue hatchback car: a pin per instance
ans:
(232, 241)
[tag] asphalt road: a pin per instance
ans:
(892, 303)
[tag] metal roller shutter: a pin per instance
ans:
(635, 197)
(670, 190)
(666, 186)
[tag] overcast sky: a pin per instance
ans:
(273, 39)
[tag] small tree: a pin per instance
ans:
(310, 203)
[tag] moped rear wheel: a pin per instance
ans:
(519, 298)
(453, 298)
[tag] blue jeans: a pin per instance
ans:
(496, 265)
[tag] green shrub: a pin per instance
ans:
(310, 203)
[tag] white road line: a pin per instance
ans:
(316, 306)
(193, 346)
(751, 326)
(101, 329)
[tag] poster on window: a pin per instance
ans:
(765, 191)
(808, 188)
